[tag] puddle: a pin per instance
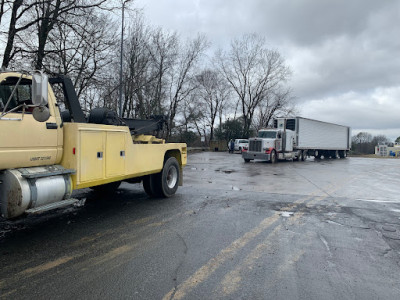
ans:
(376, 200)
(287, 214)
(333, 222)
(389, 228)
(225, 171)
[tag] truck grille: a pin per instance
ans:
(255, 146)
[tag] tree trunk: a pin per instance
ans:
(11, 34)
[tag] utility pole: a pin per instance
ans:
(121, 58)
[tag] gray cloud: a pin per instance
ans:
(344, 54)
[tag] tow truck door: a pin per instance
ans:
(25, 142)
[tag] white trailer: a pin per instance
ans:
(296, 138)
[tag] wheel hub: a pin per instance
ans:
(172, 177)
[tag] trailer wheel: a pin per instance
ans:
(106, 188)
(317, 154)
(301, 156)
(246, 160)
(342, 154)
(304, 155)
(165, 183)
(335, 154)
(273, 157)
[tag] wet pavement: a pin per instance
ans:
(326, 229)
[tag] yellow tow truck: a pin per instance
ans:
(46, 154)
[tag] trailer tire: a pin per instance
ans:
(317, 154)
(246, 160)
(273, 157)
(304, 155)
(342, 154)
(147, 185)
(165, 183)
(106, 188)
(335, 154)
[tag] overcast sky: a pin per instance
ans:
(345, 55)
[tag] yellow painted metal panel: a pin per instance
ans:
(91, 155)
(26, 142)
(140, 159)
(115, 154)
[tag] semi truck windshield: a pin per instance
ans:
(267, 134)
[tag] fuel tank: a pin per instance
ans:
(27, 188)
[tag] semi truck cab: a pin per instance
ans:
(271, 145)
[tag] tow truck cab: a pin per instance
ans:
(43, 158)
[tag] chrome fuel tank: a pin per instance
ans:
(26, 188)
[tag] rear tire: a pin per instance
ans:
(335, 154)
(246, 160)
(147, 185)
(304, 155)
(165, 183)
(317, 154)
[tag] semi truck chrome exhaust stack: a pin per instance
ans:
(32, 188)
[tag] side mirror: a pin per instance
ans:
(39, 89)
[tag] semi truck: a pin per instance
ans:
(46, 154)
(298, 138)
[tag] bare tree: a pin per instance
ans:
(213, 93)
(12, 31)
(277, 103)
(180, 83)
(43, 16)
(2, 9)
(253, 71)
(150, 56)
(81, 50)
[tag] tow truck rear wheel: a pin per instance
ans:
(147, 185)
(165, 183)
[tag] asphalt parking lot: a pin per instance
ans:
(319, 229)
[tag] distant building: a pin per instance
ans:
(386, 150)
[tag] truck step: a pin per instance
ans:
(51, 206)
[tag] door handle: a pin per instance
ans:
(51, 125)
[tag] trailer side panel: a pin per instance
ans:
(312, 134)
